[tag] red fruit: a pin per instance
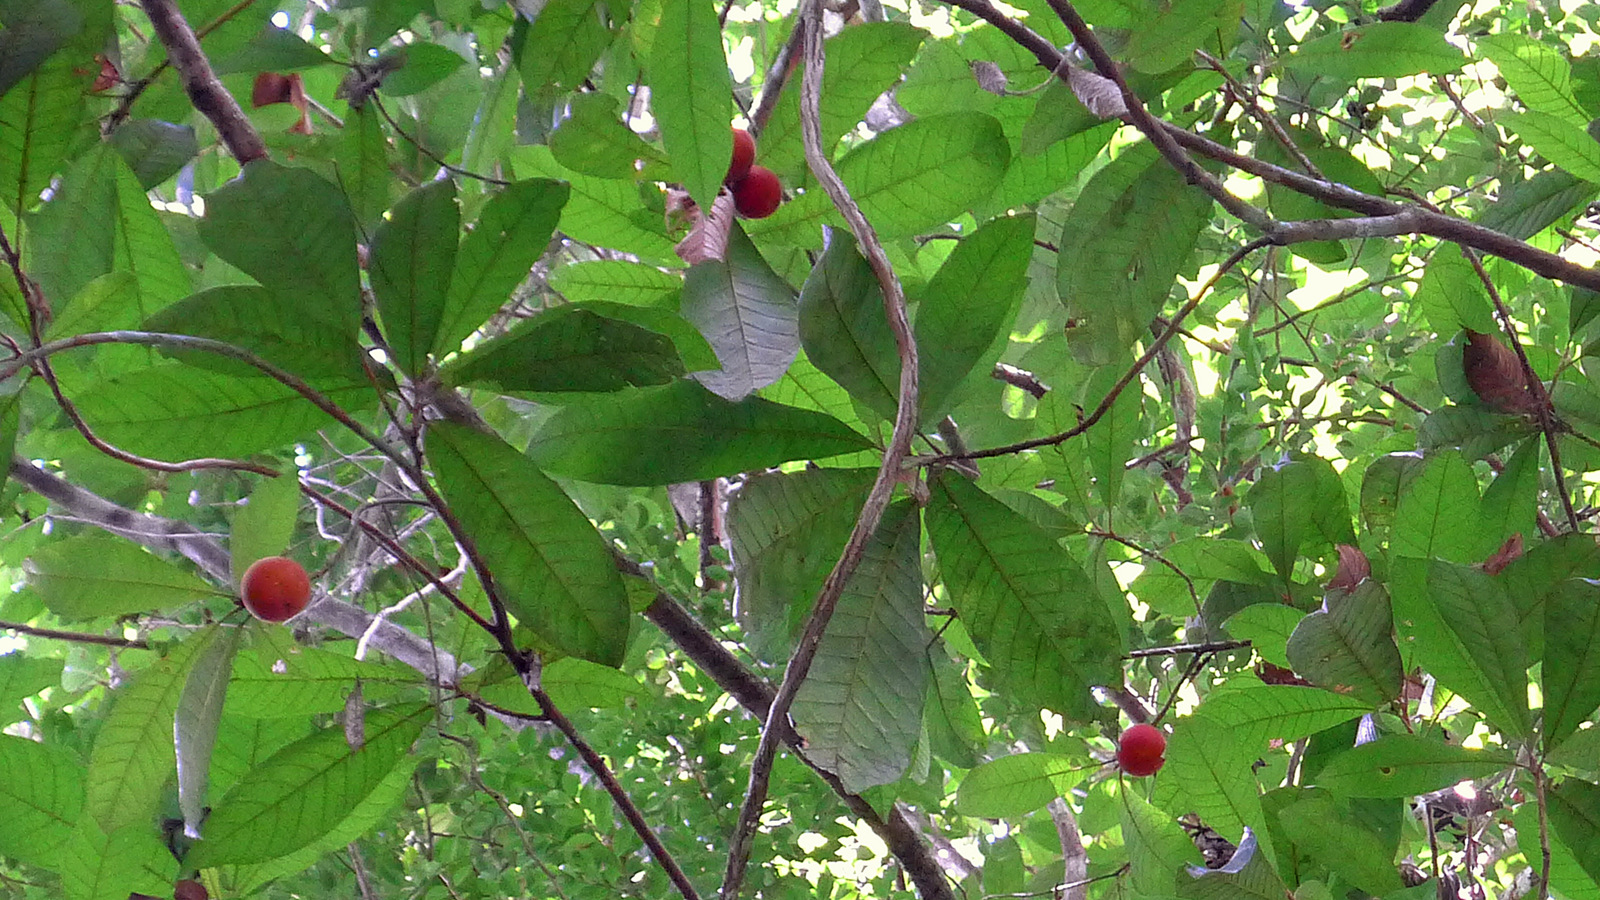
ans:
(270, 88)
(758, 194)
(189, 890)
(108, 76)
(744, 153)
(1141, 750)
(275, 589)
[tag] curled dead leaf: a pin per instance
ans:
(1505, 556)
(1353, 569)
(989, 76)
(1099, 94)
(1495, 374)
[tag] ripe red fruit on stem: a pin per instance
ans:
(744, 153)
(758, 194)
(1141, 750)
(275, 589)
(188, 889)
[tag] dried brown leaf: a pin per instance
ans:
(708, 234)
(1099, 94)
(1353, 569)
(1495, 374)
(1505, 556)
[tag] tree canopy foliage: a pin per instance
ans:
(1218, 364)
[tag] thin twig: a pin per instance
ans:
(1145, 551)
(200, 82)
(889, 472)
(125, 106)
(74, 637)
(1180, 649)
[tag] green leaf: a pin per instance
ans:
(39, 119)
(412, 255)
(1109, 444)
(1171, 37)
(76, 230)
(1575, 816)
(93, 575)
(603, 211)
(362, 158)
(1348, 646)
(278, 678)
(574, 683)
(1538, 72)
(1571, 658)
(747, 313)
(551, 568)
(694, 353)
(291, 230)
(594, 140)
(844, 329)
(907, 180)
(1258, 713)
(1437, 512)
(689, 94)
(22, 676)
(1207, 772)
(1377, 50)
(109, 864)
(296, 332)
(274, 49)
(42, 788)
(615, 280)
(1564, 143)
(1403, 765)
(306, 789)
(1297, 506)
(1452, 296)
(1268, 627)
(32, 33)
(1566, 873)
(1128, 235)
(1029, 606)
(511, 233)
(569, 349)
(1526, 208)
(198, 711)
(1158, 848)
(1333, 836)
(264, 526)
(968, 307)
(682, 432)
(424, 66)
(1018, 784)
(860, 708)
(1460, 624)
(155, 150)
(562, 45)
(785, 532)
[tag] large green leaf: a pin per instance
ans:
(1208, 773)
(93, 575)
(1331, 834)
(277, 678)
(1158, 848)
(785, 531)
(1018, 784)
(1403, 765)
(844, 328)
(1109, 444)
(264, 526)
(1258, 713)
(511, 233)
(39, 118)
(614, 280)
(1437, 513)
(32, 33)
(1564, 143)
(968, 307)
(563, 43)
(1122, 246)
(105, 863)
(194, 730)
(75, 232)
(1377, 50)
(689, 94)
(569, 349)
(42, 788)
(1297, 506)
(1571, 658)
(306, 789)
(1575, 815)
(1170, 38)
(605, 212)
(362, 157)
(1348, 645)
(413, 253)
(1028, 605)
(682, 432)
(1526, 208)
(594, 140)
(551, 568)
(1537, 71)
(294, 331)
(747, 312)
(906, 180)
(860, 708)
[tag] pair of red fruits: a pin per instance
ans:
(756, 191)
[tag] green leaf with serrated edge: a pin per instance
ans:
(1109, 444)
(603, 211)
(552, 569)
(271, 214)
(511, 233)
(22, 676)
(133, 753)
(594, 140)
(92, 575)
(305, 790)
(1377, 50)
(1333, 836)
(1571, 668)
(361, 159)
(1018, 784)
(195, 725)
(562, 44)
(1452, 296)
(174, 411)
(1348, 646)
(863, 61)
(968, 306)
(1403, 765)
(292, 331)
(748, 314)
(1528, 207)
(1539, 74)
(569, 349)
(1464, 629)
(412, 255)
(785, 532)
(276, 677)
(906, 180)
(39, 116)
(1558, 140)
(1029, 606)
(682, 432)
(1437, 513)
(1158, 848)
(265, 524)
(1267, 626)
(1130, 232)
(860, 708)
(32, 34)
(42, 788)
(1575, 816)
(155, 150)
(1207, 772)
(844, 329)
(689, 92)
(1258, 713)
(102, 863)
(614, 280)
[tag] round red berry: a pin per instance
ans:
(758, 194)
(1141, 750)
(744, 154)
(275, 589)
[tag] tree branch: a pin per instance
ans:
(200, 82)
